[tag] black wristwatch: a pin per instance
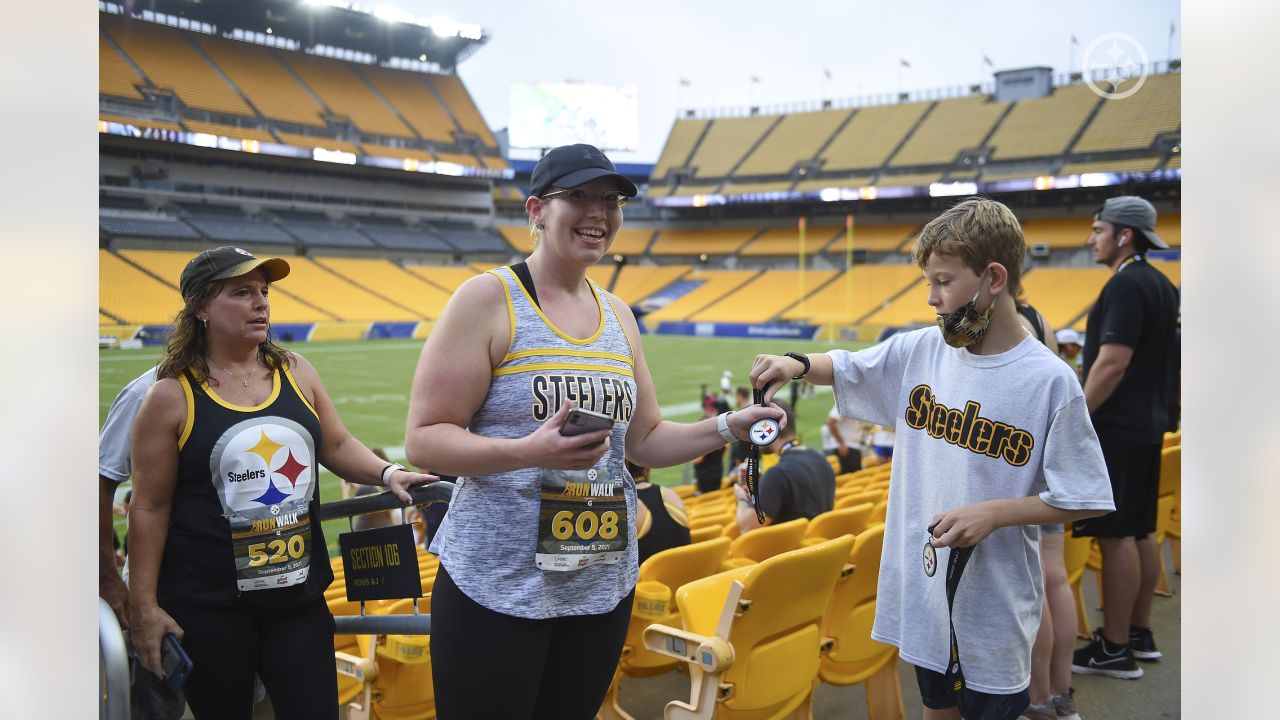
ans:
(804, 360)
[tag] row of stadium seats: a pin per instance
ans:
(883, 143)
(837, 552)
(227, 224)
(261, 85)
(130, 217)
(138, 286)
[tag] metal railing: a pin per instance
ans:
(362, 624)
(113, 666)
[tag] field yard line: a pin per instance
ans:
(397, 452)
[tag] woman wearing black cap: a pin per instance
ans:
(538, 555)
(226, 551)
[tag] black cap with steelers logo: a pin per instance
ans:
(227, 262)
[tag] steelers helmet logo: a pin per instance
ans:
(764, 431)
(261, 464)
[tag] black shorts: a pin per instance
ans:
(936, 694)
(1134, 469)
(851, 462)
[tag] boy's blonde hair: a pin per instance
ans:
(977, 231)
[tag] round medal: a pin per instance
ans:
(764, 431)
(930, 559)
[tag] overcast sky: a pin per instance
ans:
(718, 45)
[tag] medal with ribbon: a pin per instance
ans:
(957, 559)
(762, 432)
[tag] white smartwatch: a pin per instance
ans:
(722, 427)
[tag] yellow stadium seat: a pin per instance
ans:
(858, 496)
(1175, 516)
(752, 637)
(660, 577)
(1170, 493)
(1076, 550)
(706, 532)
(834, 523)
(854, 657)
(878, 513)
(684, 492)
(349, 688)
(395, 669)
(763, 543)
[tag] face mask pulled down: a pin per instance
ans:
(966, 326)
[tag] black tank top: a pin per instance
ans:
(243, 530)
(663, 531)
(1032, 317)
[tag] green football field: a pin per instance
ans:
(369, 382)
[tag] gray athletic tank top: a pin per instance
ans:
(490, 534)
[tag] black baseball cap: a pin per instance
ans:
(572, 165)
(227, 262)
(1132, 211)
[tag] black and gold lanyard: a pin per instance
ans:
(1137, 258)
(957, 559)
(762, 432)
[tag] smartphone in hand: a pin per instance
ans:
(174, 661)
(581, 422)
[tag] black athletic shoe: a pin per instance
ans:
(1143, 644)
(1100, 657)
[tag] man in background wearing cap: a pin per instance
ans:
(1131, 364)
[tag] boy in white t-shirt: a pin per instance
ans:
(993, 440)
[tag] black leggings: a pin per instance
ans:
(291, 649)
(558, 668)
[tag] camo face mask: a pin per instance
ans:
(965, 326)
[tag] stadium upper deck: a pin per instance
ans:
(193, 79)
(972, 138)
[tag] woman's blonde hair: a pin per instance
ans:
(188, 345)
(977, 231)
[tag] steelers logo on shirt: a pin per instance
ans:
(262, 466)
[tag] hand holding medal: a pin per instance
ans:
(762, 432)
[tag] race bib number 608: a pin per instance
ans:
(582, 520)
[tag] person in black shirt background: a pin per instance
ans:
(801, 485)
(1131, 366)
(661, 522)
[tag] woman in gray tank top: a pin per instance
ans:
(538, 551)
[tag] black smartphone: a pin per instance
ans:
(174, 661)
(582, 421)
